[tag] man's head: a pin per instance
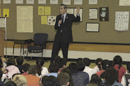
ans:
(63, 9)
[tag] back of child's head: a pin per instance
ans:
(63, 78)
(20, 80)
(25, 67)
(111, 75)
(11, 61)
(56, 59)
(73, 67)
(19, 60)
(96, 79)
(105, 64)
(62, 62)
(86, 61)
(53, 67)
(117, 60)
(98, 63)
(67, 70)
(81, 65)
(39, 64)
(79, 59)
(50, 81)
(10, 83)
(32, 70)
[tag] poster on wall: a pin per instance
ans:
(104, 13)
(41, 1)
(93, 1)
(93, 13)
(92, 27)
(6, 1)
(51, 20)
(67, 2)
(122, 21)
(78, 2)
(19, 1)
(53, 1)
(124, 2)
(29, 1)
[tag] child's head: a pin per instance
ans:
(63, 79)
(19, 60)
(98, 61)
(39, 64)
(25, 67)
(86, 61)
(11, 61)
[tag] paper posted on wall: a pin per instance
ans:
(121, 21)
(51, 20)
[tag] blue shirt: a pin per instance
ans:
(52, 74)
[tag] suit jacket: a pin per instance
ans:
(64, 31)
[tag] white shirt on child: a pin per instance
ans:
(90, 71)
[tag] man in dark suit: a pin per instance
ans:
(64, 31)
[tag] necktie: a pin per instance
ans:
(63, 19)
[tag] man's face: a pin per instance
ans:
(62, 10)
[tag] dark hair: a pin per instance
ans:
(98, 62)
(54, 67)
(10, 83)
(39, 64)
(19, 60)
(1, 73)
(62, 62)
(10, 61)
(63, 78)
(86, 61)
(81, 66)
(73, 67)
(117, 60)
(67, 70)
(32, 70)
(105, 64)
(111, 75)
(102, 76)
(25, 67)
(56, 59)
(65, 6)
(79, 59)
(128, 67)
(96, 79)
(50, 81)
(1, 63)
